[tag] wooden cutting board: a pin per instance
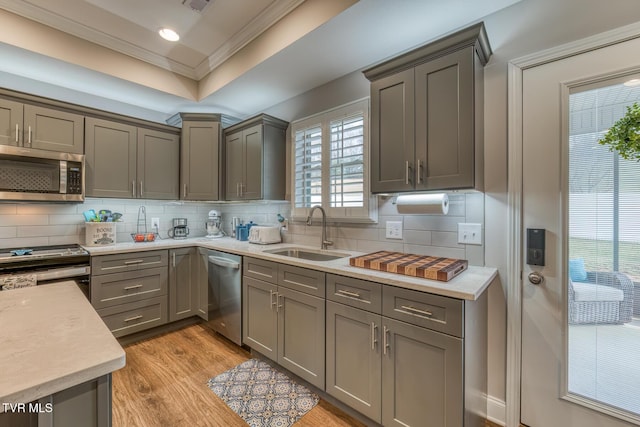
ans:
(428, 267)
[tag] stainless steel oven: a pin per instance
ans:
(44, 265)
(40, 175)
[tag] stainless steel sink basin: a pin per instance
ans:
(308, 254)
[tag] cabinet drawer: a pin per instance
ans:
(118, 288)
(261, 269)
(116, 263)
(355, 292)
(301, 279)
(136, 316)
(431, 311)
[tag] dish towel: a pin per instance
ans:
(14, 281)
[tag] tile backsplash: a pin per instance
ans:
(37, 224)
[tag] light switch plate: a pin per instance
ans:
(394, 230)
(470, 233)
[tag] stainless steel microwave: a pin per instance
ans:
(40, 175)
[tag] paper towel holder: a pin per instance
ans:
(422, 203)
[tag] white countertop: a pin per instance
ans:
(51, 339)
(469, 285)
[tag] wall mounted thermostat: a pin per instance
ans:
(535, 246)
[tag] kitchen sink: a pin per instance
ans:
(308, 254)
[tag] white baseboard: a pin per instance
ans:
(496, 410)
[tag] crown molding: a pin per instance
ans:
(276, 11)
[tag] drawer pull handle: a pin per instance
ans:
(135, 261)
(385, 339)
(413, 310)
(349, 294)
(279, 306)
(374, 341)
(128, 288)
(131, 319)
(271, 299)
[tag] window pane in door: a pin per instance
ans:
(603, 280)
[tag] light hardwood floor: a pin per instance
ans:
(164, 383)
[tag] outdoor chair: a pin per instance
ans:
(600, 297)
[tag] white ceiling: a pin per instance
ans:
(364, 34)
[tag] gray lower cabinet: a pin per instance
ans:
(130, 291)
(202, 271)
(285, 322)
(33, 126)
(130, 162)
(200, 157)
(427, 116)
(87, 404)
(255, 159)
(183, 283)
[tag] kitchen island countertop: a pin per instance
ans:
(469, 285)
(52, 339)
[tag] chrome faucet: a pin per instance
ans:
(324, 242)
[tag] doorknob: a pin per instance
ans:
(535, 278)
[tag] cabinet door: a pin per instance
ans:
(353, 358)
(251, 187)
(202, 268)
(183, 283)
(422, 377)
(53, 130)
(259, 316)
(445, 122)
(301, 334)
(10, 123)
(158, 164)
(392, 133)
(110, 159)
(234, 153)
(200, 160)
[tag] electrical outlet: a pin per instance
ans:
(155, 223)
(394, 230)
(470, 234)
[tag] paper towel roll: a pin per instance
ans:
(423, 204)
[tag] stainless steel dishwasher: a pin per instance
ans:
(225, 295)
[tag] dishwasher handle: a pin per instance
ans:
(223, 262)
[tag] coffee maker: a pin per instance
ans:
(179, 229)
(214, 225)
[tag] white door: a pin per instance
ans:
(580, 366)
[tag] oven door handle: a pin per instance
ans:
(62, 273)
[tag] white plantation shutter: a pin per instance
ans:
(330, 164)
(346, 170)
(308, 167)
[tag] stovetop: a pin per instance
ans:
(29, 257)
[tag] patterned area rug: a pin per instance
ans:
(262, 396)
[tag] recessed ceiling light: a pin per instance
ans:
(632, 83)
(169, 34)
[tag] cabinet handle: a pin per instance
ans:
(141, 189)
(413, 310)
(184, 191)
(241, 190)
(173, 259)
(128, 288)
(29, 135)
(406, 172)
(374, 341)
(131, 319)
(279, 306)
(17, 131)
(133, 188)
(271, 299)
(349, 294)
(237, 189)
(385, 340)
(419, 171)
(135, 261)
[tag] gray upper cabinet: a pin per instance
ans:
(158, 164)
(130, 162)
(426, 116)
(200, 159)
(183, 283)
(32, 126)
(110, 159)
(255, 159)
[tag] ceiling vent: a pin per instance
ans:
(196, 5)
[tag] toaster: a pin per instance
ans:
(265, 235)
